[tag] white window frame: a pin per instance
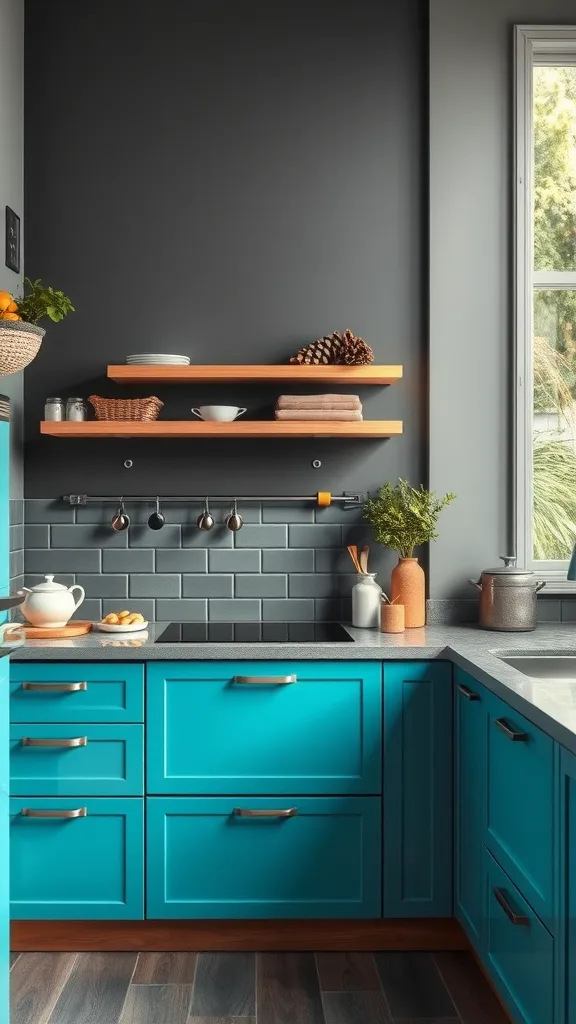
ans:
(534, 45)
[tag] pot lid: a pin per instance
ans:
(49, 585)
(508, 569)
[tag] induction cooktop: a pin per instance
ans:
(254, 633)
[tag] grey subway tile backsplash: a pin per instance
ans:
(16, 563)
(16, 511)
(129, 560)
(549, 610)
(91, 608)
(99, 585)
(290, 560)
(179, 560)
(16, 538)
(285, 563)
(234, 610)
(568, 609)
(261, 586)
(205, 585)
(234, 560)
(155, 585)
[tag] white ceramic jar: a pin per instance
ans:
(51, 604)
(366, 601)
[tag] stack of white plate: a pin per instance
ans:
(156, 359)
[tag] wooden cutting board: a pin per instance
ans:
(77, 628)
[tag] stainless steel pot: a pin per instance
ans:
(508, 597)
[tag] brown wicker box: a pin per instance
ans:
(142, 409)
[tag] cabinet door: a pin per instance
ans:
(255, 857)
(77, 760)
(522, 804)
(89, 866)
(418, 789)
(567, 990)
(264, 727)
(73, 691)
(470, 803)
(4, 856)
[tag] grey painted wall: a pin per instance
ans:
(229, 180)
(470, 276)
(12, 193)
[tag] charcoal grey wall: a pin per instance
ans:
(471, 188)
(228, 180)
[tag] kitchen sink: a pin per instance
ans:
(542, 666)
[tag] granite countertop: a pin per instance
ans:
(549, 704)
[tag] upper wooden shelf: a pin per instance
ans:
(239, 428)
(255, 374)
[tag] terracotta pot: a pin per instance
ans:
(392, 618)
(408, 587)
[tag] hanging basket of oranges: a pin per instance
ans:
(20, 335)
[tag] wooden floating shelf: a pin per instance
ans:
(255, 374)
(244, 428)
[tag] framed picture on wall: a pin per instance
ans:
(12, 240)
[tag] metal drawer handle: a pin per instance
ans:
(76, 741)
(513, 917)
(512, 734)
(466, 692)
(265, 680)
(78, 812)
(55, 687)
(244, 812)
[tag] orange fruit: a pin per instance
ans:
(10, 316)
(5, 300)
(12, 308)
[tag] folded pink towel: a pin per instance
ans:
(319, 414)
(318, 402)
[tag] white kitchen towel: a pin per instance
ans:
(318, 402)
(347, 415)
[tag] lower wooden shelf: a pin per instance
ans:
(246, 428)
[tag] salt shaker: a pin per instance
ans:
(366, 601)
(76, 409)
(54, 409)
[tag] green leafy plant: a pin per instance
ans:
(403, 517)
(39, 300)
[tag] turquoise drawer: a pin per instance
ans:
(264, 727)
(86, 868)
(522, 805)
(519, 951)
(85, 760)
(76, 692)
(204, 860)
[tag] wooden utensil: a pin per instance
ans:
(353, 552)
(77, 628)
(363, 558)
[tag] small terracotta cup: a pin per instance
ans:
(392, 618)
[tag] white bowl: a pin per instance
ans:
(110, 627)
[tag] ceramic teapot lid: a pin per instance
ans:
(48, 586)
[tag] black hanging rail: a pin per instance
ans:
(323, 499)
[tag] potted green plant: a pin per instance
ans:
(20, 334)
(402, 518)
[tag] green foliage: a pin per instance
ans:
(554, 483)
(403, 517)
(40, 300)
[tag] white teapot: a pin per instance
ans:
(51, 604)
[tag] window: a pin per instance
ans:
(545, 305)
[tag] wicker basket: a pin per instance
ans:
(19, 344)
(142, 409)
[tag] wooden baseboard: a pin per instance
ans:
(89, 936)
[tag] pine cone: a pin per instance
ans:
(324, 351)
(355, 351)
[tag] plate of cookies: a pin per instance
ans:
(122, 622)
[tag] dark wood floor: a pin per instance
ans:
(250, 988)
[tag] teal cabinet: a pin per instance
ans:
(77, 859)
(76, 692)
(519, 951)
(418, 797)
(567, 964)
(88, 760)
(308, 727)
(4, 842)
(254, 857)
(470, 809)
(522, 805)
